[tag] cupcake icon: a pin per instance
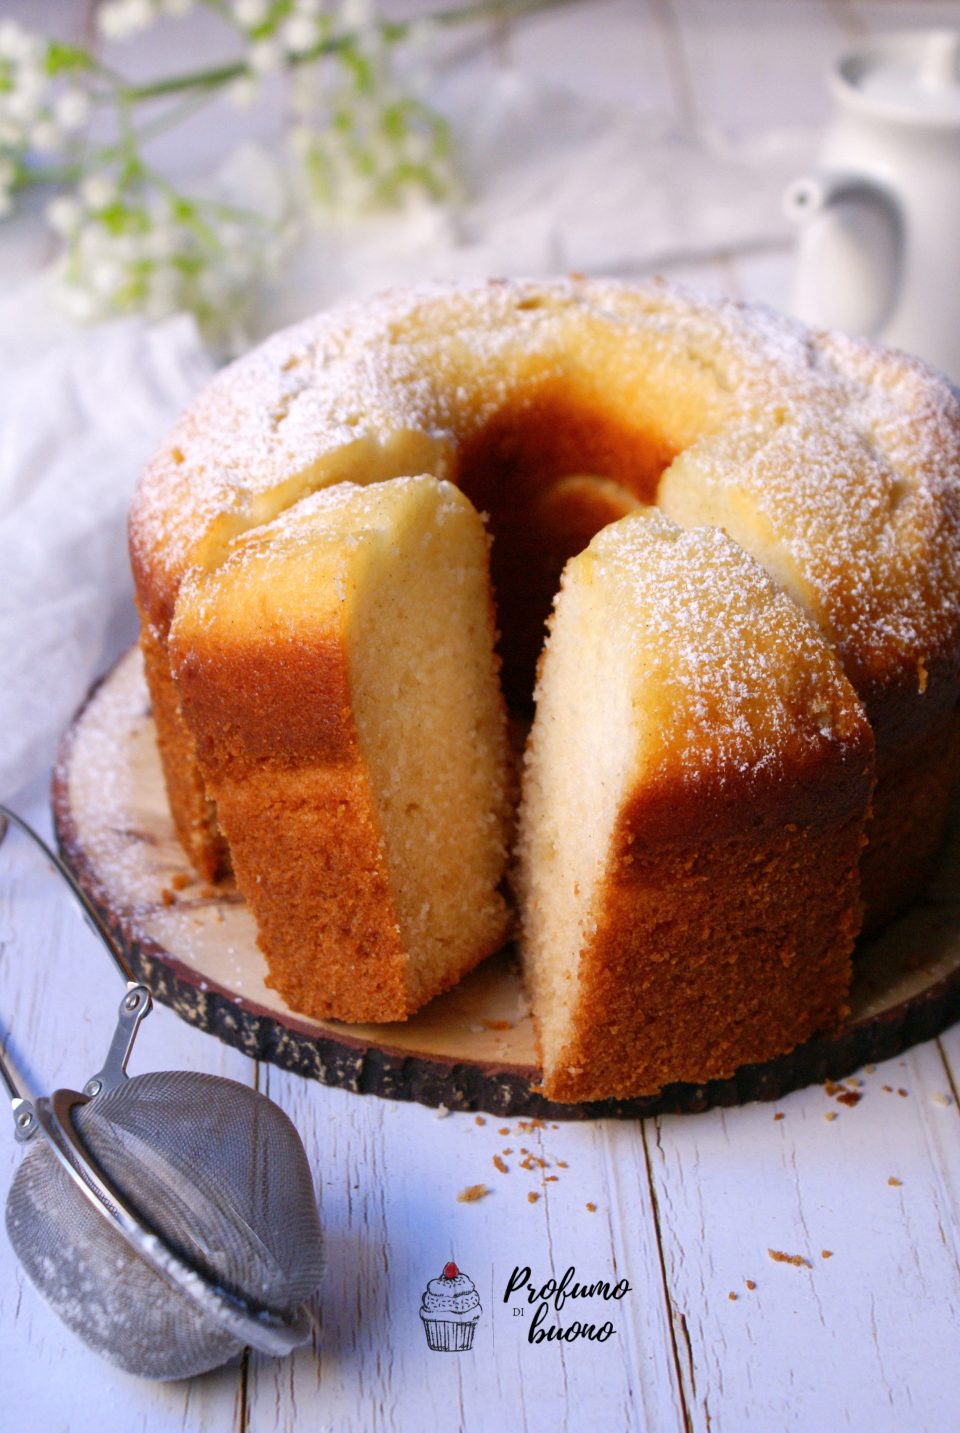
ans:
(450, 1310)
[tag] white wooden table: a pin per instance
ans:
(713, 1333)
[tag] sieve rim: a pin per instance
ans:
(255, 1325)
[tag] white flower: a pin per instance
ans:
(72, 109)
(106, 275)
(300, 32)
(244, 91)
(161, 242)
(164, 293)
(264, 56)
(355, 14)
(16, 43)
(300, 138)
(64, 214)
(44, 135)
(307, 7)
(251, 13)
(97, 191)
(120, 18)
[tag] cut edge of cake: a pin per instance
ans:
(689, 844)
(361, 779)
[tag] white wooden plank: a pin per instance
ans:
(58, 998)
(862, 1340)
(388, 1177)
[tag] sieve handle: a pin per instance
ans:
(90, 913)
(24, 1115)
(135, 1004)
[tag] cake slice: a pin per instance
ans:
(697, 781)
(338, 675)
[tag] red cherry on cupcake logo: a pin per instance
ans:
(450, 1271)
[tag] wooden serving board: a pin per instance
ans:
(473, 1048)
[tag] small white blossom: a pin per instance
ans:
(251, 13)
(264, 56)
(300, 138)
(44, 136)
(244, 91)
(106, 275)
(356, 14)
(301, 32)
(72, 109)
(118, 19)
(64, 214)
(16, 43)
(97, 191)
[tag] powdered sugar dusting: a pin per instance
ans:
(836, 463)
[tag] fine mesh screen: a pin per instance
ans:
(218, 1171)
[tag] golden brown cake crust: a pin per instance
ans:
(292, 744)
(667, 993)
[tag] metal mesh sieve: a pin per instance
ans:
(169, 1219)
(218, 1172)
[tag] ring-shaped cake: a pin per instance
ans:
(746, 729)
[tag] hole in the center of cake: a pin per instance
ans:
(550, 475)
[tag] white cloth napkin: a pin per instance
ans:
(81, 412)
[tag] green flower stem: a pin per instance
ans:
(218, 75)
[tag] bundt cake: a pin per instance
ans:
(688, 848)
(558, 408)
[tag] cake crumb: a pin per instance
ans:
(500, 1164)
(550, 1179)
(832, 1088)
(732, 1297)
(902, 1094)
(943, 1100)
(507, 1149)
(505, 1130)
(479, 1120)
(778, 1116)
(887, 1088)
(591, 1207)
(849, 1097)
(562, 1164)
(826, 1253)
(167, 896)
(442, 1112)
(472, 1193)
(895, 1181)
(750, 1283)
(870, 1069)
(532, 1196)
(797, 1260)
(830, 1115)
(181, 880)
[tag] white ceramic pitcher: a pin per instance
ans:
(879, 248)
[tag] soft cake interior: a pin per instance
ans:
(363, 764)
(695, 791)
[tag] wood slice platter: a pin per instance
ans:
(471, 1049)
